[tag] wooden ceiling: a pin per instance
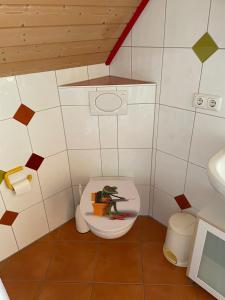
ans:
(42, 35)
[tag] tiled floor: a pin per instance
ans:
(68, 265)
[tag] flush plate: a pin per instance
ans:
(108, 103)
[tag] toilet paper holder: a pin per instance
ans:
(12, 171)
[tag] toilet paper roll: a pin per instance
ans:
(22, 187)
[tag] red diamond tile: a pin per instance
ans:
(34, 161)
(24, 114)
(182, 201)
(8, 218)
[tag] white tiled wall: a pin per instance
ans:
(160, 50)
(74, 145)
(50, 202)
(113, 145)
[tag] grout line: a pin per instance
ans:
(39, 183)
(157, 117)
(210, 9)
(64, 129)
(49, 108)
(15, 237)
(192, 134)
(117, 142)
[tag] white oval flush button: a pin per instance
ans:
(108, 103)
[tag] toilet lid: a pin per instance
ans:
(126, 188)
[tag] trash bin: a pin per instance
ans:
(179, 238)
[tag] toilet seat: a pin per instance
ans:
(103, 226)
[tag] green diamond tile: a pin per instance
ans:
(205, 47)
(2, 173)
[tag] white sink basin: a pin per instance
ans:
(216, 171)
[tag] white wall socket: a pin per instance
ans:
(205, 101)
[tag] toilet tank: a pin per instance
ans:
(108, 103)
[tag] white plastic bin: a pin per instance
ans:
(179, 237)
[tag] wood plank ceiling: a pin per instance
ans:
(42, 35)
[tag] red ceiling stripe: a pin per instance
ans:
(126, 31)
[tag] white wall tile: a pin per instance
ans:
(75, 95)
(121, 64)
(9, 97)
(144, 193)
(212, 82)
(217, 22)
(30, 225)
(60, 208)
(199, 191)
(39, 90)
(108, 131)
(15, 147)
(135, 130)
(170, 174)
(135, 163)
(140, 93)
(109, 162)
(47, 133)
(208, 138)
(156, 122)
(7, 237)
(54, 174)
(100, 70)
(18, 203)
(180, 66)
(164, 206)
(71, 75)
(81, 128)
(106, 88)
(147, 64)
(149, 29)
(174, 131)
(186, 22)
(84, 164)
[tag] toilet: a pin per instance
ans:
(103, 226)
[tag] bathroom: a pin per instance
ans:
(172, 55)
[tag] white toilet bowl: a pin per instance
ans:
(104, 227)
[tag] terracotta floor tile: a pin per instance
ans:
(65, 291)
(119, 262)
(203, 295)
(117, 292)
(163, 292)
(73, 261)
(21, 290)
(151, 230)
(51, 236)
(68, 232)
(157, 270)
(30, 263)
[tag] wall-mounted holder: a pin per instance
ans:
(10, 172)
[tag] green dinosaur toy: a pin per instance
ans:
(106, 196)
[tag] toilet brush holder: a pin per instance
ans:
(81, 224)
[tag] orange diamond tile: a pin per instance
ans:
(24, 114)
(8, 218)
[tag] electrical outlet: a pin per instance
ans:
(200, 101)
(205, 101)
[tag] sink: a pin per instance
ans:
(216, 172)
